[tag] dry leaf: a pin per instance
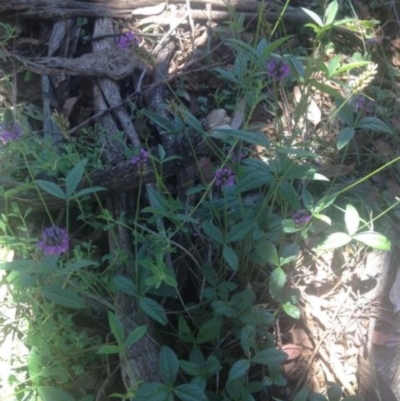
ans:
(313, 111)
(293, 351)
(217, 119)
(238, 117)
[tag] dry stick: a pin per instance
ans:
(324, 355)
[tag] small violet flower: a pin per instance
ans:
(141, 160)
(10, 132)
(360, 104)
(54, 241)
(301, 217)
(278, 70)
(224, 177)
(127, 39)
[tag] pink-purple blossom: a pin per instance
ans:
(301, 217)
(10, 132)
(278, 70)
(224, 177)
(141, 159)
(54, 241)
(361, 104)
(127, 39)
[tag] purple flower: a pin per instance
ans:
(141, 160)
(224, 177)
(360, 103)
(10, 131)
(127, 39)
(301, 217)
(278, 69)
(54, 241)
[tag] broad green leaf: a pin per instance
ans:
(109, 349)
(350, 66)
(53, 393)
(289, 194)
(373, 124)
(117, 328)
(80, 264)
(315, 17)
(125, 285)
(352, 219)
(292, 310)
(157, 200)
(266, 252)
(209, 331)
(239, 369)
(335, 240)
(87, 191)
(239, 231)
(289, 253)
(154, 310)
(73, 178)
(223, 308)
(230, 258)
(330, 12)
(345, 136)
(374, 240)
(334, 391)
(213, 232)
(169, 365)
(152, 392)
(184, 330)
(189, 392)
(254, 138)
(247, 339)
(135, 335)
(190, 368)
(212, 366)
(270, 356)
(301, 395)
(277, 283)
(64, 297)
(52, 189)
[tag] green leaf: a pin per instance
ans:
(209, 331)
(213, 232)
(80, 264)
(335, 240)
(345, 136)
(316, 397)
(135, 335)
(289, 194)
(289, 254)
(352, 219)
(87, 191)
(223, 308)
(190, 368)
(117, 328)
(53, 393)
(291, 310)
(239, 369)
(277, 283)
(189, 392)
(331, 12)
(350, 66)
(373, 124)
(109, 349)
(212, 366)
(73, 178)
(230, 258)
(374, 240)
(62, 296)
(125, 285)
(301, 395)
(153, 392)
(270, 356)
(154, 310)
(51, 188)
(254, 138)
(157, 200)
(169, 366)
(334, 391)
(313, 16)
(239, 231)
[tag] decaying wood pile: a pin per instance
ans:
(105, 66)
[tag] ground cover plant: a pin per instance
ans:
(188, 199)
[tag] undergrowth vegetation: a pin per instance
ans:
(218, 271)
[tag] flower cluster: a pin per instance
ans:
(10, 131)
(278, 70)
(54, 241)
(224, 177)
(127, 39)
(140, 161)
(301, 217)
